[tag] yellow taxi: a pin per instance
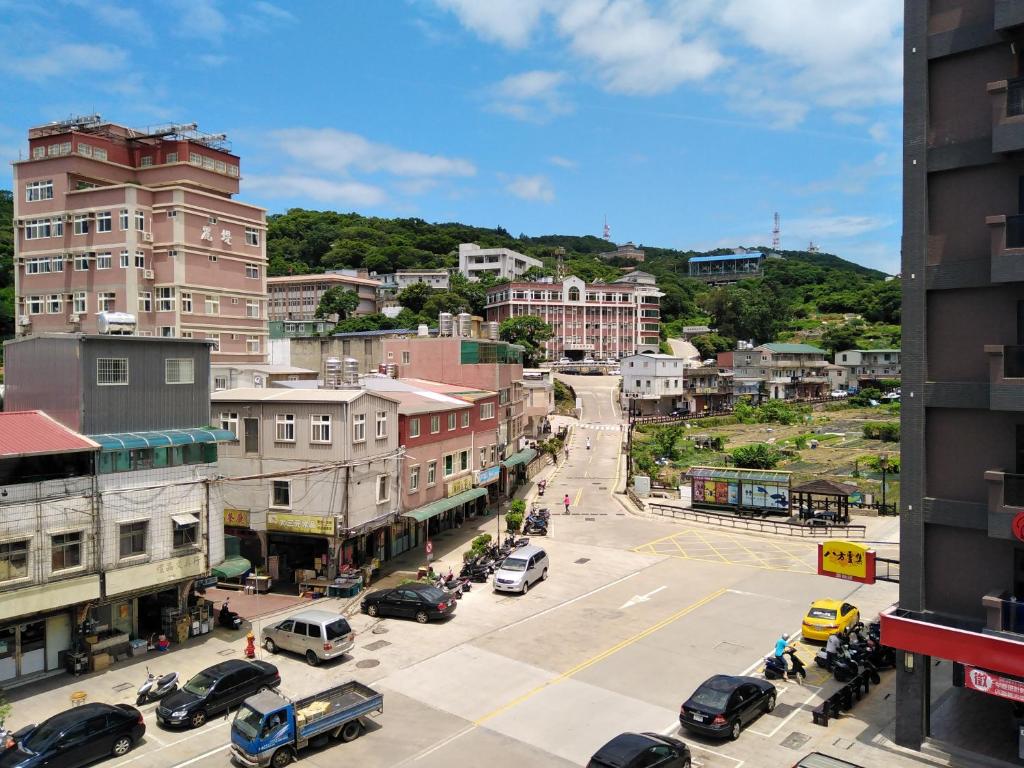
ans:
(826, 617)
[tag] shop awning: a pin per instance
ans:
(232, 568)
(523, 457)
(437, 507)
(120, 441)
(185, 518)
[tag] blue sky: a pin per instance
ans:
(686, 122)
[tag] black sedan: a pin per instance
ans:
(640, 750)
(215, 689)
(422, 602)
(723, 704)
(77, 736)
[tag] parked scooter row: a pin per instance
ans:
(536, 521)
(855, 652)
(480, 568)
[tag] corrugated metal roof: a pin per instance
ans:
(29, 433)
(728, 473)
(293, 395)
(792, 349)
(121, 441)
(726, 257)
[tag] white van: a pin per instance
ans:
(522, 569)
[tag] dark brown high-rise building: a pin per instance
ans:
(962, 496)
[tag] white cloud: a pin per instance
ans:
(879, 132)
(837, 227)
(634, 50)
(855, 179)
(328, 149)
(415, 186)
(530, 96)
(849, 118)
(273, 11)
(119, 19)
(509, 22)
(531, 188)
(562, 162)
(67, 59)
(313, 188)
(200, 18)
(212, 59)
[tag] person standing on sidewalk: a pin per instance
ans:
(566, 502)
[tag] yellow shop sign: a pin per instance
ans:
(313, 525)
(463, 484)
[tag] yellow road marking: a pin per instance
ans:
(576, 501)
(733, 550)
(601, 656)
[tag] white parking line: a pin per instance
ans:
(445, 742)
(197, 758)
(569, 602)
(788, 717)
(675, 728)
(191, 735)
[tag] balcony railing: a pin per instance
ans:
(1003, 614)
(1015, 231)
(1015, 97)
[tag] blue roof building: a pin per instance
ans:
(728, 268)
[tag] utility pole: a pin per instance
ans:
(883, 462)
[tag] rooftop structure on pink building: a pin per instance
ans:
(140, 222)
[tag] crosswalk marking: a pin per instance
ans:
(606, 427)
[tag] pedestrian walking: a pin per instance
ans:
(566, 502)
(566, 451)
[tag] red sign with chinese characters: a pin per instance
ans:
(1018, 525)
(996, 685)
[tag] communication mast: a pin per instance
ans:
(560, 269)
(607, 230)
(776, 233)
(812, 247)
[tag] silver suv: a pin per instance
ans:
(317, 635)
(521, 570)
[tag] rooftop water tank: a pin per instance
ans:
(445, 324)
(465, 324)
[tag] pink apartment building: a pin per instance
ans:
(296, 297)
(599, 320)
(111, 219)
(470, 365)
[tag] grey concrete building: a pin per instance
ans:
(962, 473)
(313, 476)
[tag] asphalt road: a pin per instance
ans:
(619, 635)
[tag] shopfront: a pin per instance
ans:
(460, 503)
(514, 467)
(489, 479)
(36, 626)
(299, 543)
(237, 524)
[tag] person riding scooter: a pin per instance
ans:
(588, 443)
(541, 485)
(228, 618)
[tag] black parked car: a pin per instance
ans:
(215, 689)
(723, 704)
(641, 750)
(420, 601)
(77, 736)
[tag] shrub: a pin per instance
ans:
(887, 431)
(757, 456)
(513, 521)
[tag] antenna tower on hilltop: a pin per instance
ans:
(812, 248)
(560, 268)
(776, 233)
(607, 230)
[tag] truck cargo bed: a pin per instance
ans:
(334, 707)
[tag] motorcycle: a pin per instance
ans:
(848, 664)
(541, 485)
(535, 524)
(448, 583)
(155, 688)
(775, 666)
(228, 618)
(475, 570)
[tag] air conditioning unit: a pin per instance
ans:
(147, 237)
(24, 320)
(148, 274)
(69, 217)
(75, 319)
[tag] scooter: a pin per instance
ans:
(535, 524)
(541, 485)
(848, 664)
(775, 666)
(228, 618)
(155, 688)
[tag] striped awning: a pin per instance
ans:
(121, 441)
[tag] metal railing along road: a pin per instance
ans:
(760, 525)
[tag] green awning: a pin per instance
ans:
(437, 507)
(121, 441)
(523, 457)
(232, 568)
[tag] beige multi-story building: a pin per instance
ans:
(114, 220)
(778, 371)
(475, 262)
(296, 297)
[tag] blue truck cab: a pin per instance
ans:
(269, 730)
